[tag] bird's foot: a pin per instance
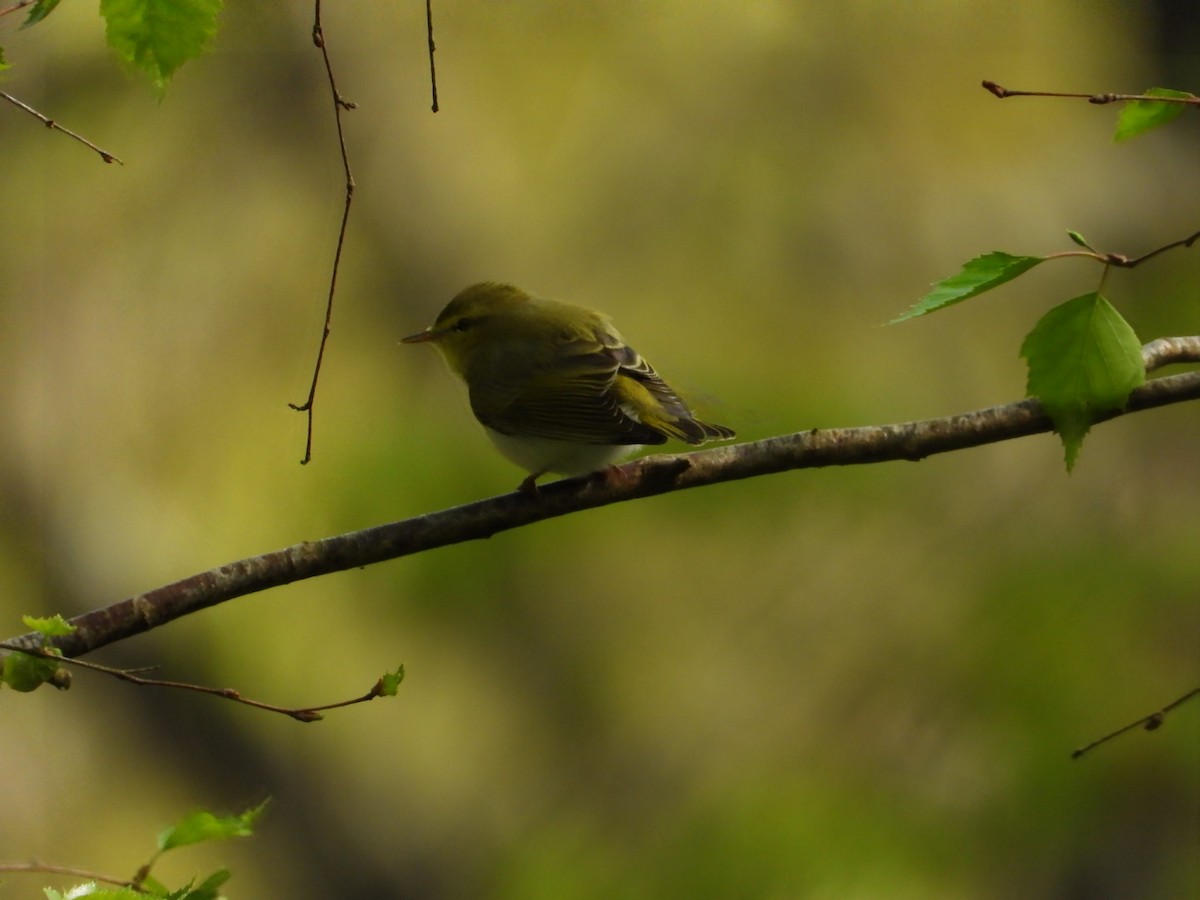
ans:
(529, 487)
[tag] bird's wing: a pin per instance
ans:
(578, 397)
(656, 403)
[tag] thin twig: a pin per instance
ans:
(16, 7)
(300, 714)
(646, 477)
(432, 48)
(339, 104)
(1122, 261)
(1099, 99)
(1186, 242)
(49, 869)
(50, 123)
(1150, 723)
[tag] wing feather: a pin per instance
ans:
(572, 398)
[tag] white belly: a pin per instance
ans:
(538, 454)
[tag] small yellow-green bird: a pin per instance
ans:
(554, 385)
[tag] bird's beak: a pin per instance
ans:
(420, 337)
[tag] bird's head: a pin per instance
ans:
(476, 319)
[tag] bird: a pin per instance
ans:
(554, 384)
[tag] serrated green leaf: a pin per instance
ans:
(1084, 359)
(979, 275)
(390, 682)
(1138, 116)
(158, 36)
(26, 673)
(204, 826)
(50, 626)
(40, 10)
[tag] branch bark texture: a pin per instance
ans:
(645, 477)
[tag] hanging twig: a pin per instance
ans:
(339, 104)
(432, 48)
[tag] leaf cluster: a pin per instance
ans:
(155, 37)
(196, 827)
(25, 672)
(1083, 358)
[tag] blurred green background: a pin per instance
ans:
(855, 683)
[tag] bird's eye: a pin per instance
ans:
(463, 324)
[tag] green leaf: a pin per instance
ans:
(979, 275)
(390, 682)
(152, 885)
(158, 36)
(1078, 239)
(51, 626)
(40, 10)
(1084, 359)
(3, 64)
(204, 826)
(209, 889)
(1138, 116)
(26, 673)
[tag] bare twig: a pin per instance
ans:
(50, 123)
(645, 477)
(1130, 263)
(1003, 92)
(339, 104)
(36, 867)
(16, 7)
(300, 714)
(1120, 260)
(1150, 723)
(432, 48)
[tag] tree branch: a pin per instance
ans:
(644, 477)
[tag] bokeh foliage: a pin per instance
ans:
(828, 684)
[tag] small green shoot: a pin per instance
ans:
(25, 672)
(389, 684)
(49, 626)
